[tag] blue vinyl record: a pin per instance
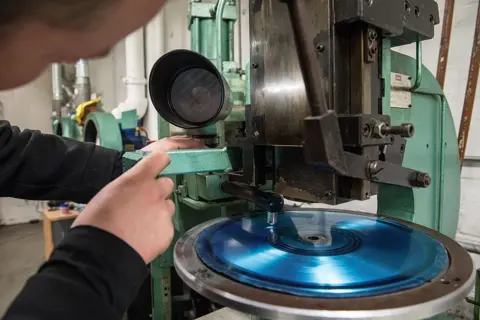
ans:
(322, 254)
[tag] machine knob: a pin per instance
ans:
(421, 180)
(405, 130)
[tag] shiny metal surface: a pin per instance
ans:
(322, 254)
(187, 90)
(195, 95)
(279, 103)
(421, 302)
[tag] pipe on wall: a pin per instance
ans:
(135, 76)
(57, 93)
(82, 82)
(155, 48)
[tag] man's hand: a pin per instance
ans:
(175, 143)
(136, 206)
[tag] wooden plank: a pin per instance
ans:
(57, 215)
(50, 217)
(47, 235)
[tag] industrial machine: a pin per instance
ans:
(77, 116)
(329, 114)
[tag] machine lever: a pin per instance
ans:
(323, 143)
(315, 86)
(272, 202)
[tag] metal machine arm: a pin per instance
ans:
(323, 144)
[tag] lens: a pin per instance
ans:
(196, 95)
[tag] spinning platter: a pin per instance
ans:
(324, 264)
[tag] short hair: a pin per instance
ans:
(70, 14)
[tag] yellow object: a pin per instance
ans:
(84, 108)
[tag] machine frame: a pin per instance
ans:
(246, 153)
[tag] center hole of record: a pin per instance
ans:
(316, 239)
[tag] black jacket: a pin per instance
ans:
(36, 166)
(92, 274)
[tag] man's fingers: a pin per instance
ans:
(151, 165)
(170, 207)
(165, 187)
(175, 143)
(187, 144)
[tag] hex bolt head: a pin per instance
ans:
(423, 180)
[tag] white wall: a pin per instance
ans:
(169, 31)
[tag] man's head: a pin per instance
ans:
(36, 33)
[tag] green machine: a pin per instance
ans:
(101, 128)
(71, 100)
(90, 123)
(329, 114)
(77, 116)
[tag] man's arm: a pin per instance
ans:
(98, 268)
(92, 274)
(38, 166)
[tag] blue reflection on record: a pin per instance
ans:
(322, 254)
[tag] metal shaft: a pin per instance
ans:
(269, 201)
(405, 130)
(311, 68)
(470, 91)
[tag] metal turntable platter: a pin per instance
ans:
(324, 264)
(322, 255)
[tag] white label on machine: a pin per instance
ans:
(400, 95)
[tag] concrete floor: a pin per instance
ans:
(21, 253)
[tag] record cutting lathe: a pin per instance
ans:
(325, 112)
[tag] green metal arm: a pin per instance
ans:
(186, 161)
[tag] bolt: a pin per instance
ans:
(372, 168)
(417, 11)
(372, 35)
(380, 130)
(422, 180)
(368, 2)
(402, 148)
(366, 130)
(255, 65)
(407, 6)
(405, 130)
(320, 48)
(256, 134)
(432, 20)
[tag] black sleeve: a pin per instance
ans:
(36, 166)
(91, 275)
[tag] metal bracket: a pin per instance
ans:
(186, 161)
(323, 144)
